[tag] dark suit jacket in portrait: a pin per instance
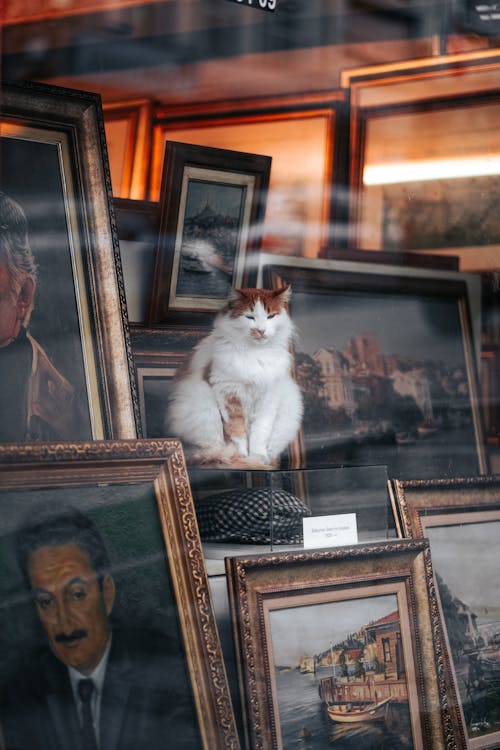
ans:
(146, 700)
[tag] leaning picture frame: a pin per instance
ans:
(343, 646)
(128, 137)
(373, 394)
(461, 519)
(212, 205)
(159, 353)
(136, 493)
(423, 97)
(305, 206)
(54, 166)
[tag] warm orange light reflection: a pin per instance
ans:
(431, 169)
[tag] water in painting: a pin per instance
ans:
(374, 394)
(465, 559)
(340, 676)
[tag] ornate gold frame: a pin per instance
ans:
(96, 467)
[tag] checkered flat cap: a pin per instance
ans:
(259, 515)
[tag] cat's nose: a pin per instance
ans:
(259, 333)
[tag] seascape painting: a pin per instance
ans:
(386, 381)
(210, 238)
(465, 560)
(340, 675)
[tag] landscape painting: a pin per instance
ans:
(440, 214)
(210, 240)
(342, 649)
(466, 564)
(380, 393)
(387, 374)
(212, 203)
(340, 675)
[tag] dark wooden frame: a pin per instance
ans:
(250, 172)
(405, 87)
(91, 469)
(329, 195)
(345, 278)
(161, 351)
(137, 114)
(293, 579)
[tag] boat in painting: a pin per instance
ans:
(307, 665)
(348, 713)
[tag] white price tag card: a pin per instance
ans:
(330, 531)
(260, 4)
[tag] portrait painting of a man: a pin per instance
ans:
(36, 401)
(65, 367)
(91, 683)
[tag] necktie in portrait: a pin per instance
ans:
(85, 691)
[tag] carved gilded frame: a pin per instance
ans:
(123, 485)
(54, 164)
(263, 586)
(461, 517)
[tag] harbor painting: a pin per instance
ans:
(386, 380)
(465, 560)
(340, 675)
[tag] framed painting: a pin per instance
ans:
(117, 517)
(385, 359)
(461, 519)
(212, 206)
(128, 127)
(67, 371)
(302, 209)
(414, 188)
(342, 647)
(154, 388)
(137, 225)
(158, 353)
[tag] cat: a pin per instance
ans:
(238, 401)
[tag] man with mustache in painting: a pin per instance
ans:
(97, 687)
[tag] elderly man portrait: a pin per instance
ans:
(93, 685)
(36, 400)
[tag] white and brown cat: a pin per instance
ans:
(238, 401)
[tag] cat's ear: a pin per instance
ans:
(236, 294)
(285, 292)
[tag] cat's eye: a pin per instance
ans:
(271, 315)
(250, 317)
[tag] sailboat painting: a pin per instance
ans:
(212, 205)
(340, 674)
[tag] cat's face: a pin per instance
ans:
(259, 313)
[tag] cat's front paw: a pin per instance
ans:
(260, 457)
(261, 461)
(241, 446)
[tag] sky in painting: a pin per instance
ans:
(405, 325)
(222, 199)
(311, 629)
(466, 557)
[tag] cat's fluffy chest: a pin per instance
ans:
(258, 365)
